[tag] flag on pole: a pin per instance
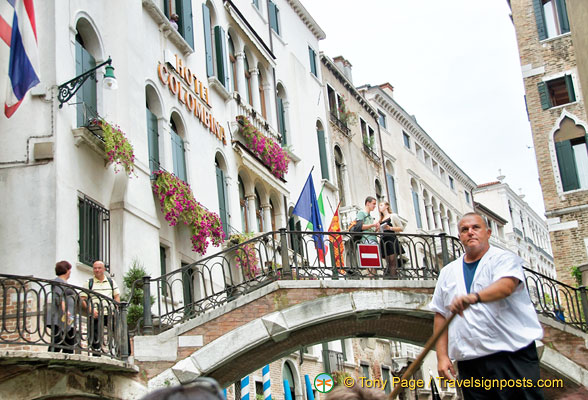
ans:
(310, 226)
(337, 241)
(18, 30)
(307, 207)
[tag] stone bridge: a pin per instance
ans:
(241, 336)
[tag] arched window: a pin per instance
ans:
(233, 61)
(273, 214)
(258, 212)
(222, 196)
(288, 375)
(178, 151)
(320, 133)
(391, 186)
(572, 155)
(248, 79)
(86, 95)
(378, 187)
(339, 171)
(262, 93)
(282, 114)
(153, 109)
(243, 206)
(415, 202)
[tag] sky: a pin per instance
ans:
(454, 65)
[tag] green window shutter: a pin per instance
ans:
(567, 165)
(273, 16)
(178, 156)
(392, 193)
(282, 121)
(222, 205)
(188, 288)
(562, 15)
(312, 56)
(86, 95)
(543, 95)
(153, 141)
(540, 19)
(163, 270)
(221, 64)
(417, 209)
(323, 154)
(570, 87)
(185, 26)
(207, 40)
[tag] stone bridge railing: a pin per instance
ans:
(291, 255)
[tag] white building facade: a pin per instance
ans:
(179, 93)
(526, 232)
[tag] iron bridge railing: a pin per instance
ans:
(39, 314)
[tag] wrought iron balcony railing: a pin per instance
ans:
(40, 314)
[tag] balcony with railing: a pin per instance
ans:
(89, 130)
(369, 150)
(342, 126)
(256, 118)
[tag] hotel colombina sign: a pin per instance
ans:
(192, 93)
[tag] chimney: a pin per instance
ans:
(344, 66)
(389, 89)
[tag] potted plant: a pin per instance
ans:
(245, 255)
(346, 116)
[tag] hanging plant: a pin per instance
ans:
(265, 148)
(178, 205)
(246, 257)
(116, 146)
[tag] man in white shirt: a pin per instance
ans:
(494, 335)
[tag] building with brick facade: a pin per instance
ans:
(553, 65)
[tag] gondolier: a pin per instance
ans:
(494, 335)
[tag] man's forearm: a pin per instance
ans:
(499, 290)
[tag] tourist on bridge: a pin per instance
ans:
(367, 222)
(390, 224)
(98, 309)
(493, 336)
(59, 314)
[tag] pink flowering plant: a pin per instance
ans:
(246, 256)
(117, 147)
(178, 205)
(265, 148)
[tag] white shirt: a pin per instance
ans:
(504, 325)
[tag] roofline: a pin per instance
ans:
(410, 120)
(307, 19)
(490, 212)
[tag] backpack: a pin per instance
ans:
(356, 227)
(91, 283)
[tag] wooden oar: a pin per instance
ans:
(417, 363)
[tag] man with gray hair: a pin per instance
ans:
(107, 287)
(494, 335)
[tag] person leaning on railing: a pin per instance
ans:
(105, 286)
(59, 315)
(368, 224)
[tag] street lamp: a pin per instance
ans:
(69, 88)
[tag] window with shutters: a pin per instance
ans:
(220, 53)
(379, 192)
(258, 212)
(244, 207)
(551, 17)
(312, 57)
(332, 101)
(391, 183)
(416, 203)
(178, 151)
(339, 166)
(557, 92)
(207, 24)
(572, 155)
(94, 231)
(153, 141)
(222, 196)
(248, 81)
(322, 146)
(262, 99)
(451, 183)
(183, 10)
(274, 17)
(281, 104)
(233, 63)
(86, 96)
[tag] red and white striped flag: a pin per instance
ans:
(18, 30)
